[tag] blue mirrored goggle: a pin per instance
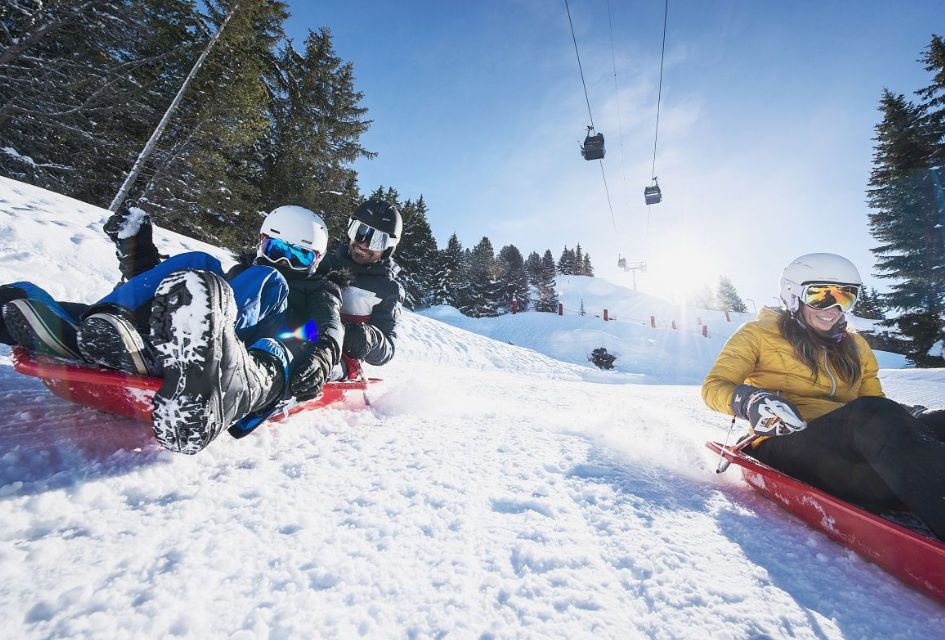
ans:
(299, 258)
(374, 239)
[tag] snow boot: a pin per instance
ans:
(37, 327)
(211, 380)
(8, 293)
(112, 341)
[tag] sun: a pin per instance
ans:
(679, 273)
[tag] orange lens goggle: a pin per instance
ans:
(824, 296)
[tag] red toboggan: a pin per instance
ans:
(917, 560)
(130, 395)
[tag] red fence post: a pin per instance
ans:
(674, 325)
(705, 331)
(727, 317)
(514, 305)
(560, 308)
(605, 315)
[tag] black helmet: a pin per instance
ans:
(379, 216)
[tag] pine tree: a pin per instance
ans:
(417, 255)
(727, 298)
(533, 270)
(314, 131)
(933, 96)
(389, 194)
(908, 221)
(483, 282)
(465, 295)
(513, 279)
(451, 274)
(566, 262)
(869, 305)
(206, 172)
(547, 293)
(587, 269)
(83, 84)
(578, 261)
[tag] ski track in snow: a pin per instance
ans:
(489, 491)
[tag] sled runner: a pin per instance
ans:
(915, 559)
(130, 395)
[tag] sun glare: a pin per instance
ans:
(679, 275)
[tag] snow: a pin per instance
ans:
(131, 225)
(188, 323)
(489, 491)
(10, 151)
(661, 354)
(938, 349)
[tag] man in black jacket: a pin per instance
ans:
(371, 303)
(229, 346)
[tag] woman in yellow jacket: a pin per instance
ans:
(810, 392)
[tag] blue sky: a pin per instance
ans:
(765, 129)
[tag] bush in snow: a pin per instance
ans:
(602, 359)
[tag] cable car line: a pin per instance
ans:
(593, 148)
(652, 193)
(580, 67)
(659, 95)
(613, 58)
(613, 221)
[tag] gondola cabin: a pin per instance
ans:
(652, 193)
(593, 147)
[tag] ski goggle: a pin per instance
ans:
(277, 249)
(826, 295)
(375, 239)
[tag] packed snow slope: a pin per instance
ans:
(663, 341)
(488, 491)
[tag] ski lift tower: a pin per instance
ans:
(632, 267)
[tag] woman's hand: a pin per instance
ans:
(768, 414)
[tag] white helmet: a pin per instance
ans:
(815, 267)
(296, 226)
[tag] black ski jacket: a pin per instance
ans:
(312, 298)
(374, 297)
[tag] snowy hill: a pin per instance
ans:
(489, 491)
(661, 341)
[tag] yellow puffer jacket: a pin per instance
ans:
(757, 354)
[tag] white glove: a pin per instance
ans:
(768, 414)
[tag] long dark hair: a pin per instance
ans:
(842, 353)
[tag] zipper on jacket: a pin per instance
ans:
(833, 381)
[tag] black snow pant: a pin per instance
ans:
(872, 453)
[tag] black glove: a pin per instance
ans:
(310, 370)
(915, 410)
(129, 221)
(131, 231)
(768, 414)
(360, 339)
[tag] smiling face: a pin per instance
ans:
(360, 253)
(821, 319)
